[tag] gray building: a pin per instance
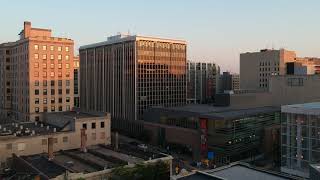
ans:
(202, 82)
(126, 75)
(228, 82)
(300, 138)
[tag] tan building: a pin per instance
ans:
(283, 90)
(38, 74)
(256, 68)
(66, 130)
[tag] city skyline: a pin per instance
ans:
(215, 31)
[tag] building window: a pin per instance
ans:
(60, 108)
(60, 100)
(21, 146)
(52, 108)
(102, 135)
(36, 65)
(67, 91)
(67, 66)
(67, 49)
(36, 83)
(44, 74)
(52, 100)
(44, 65)
(67, 99)
(44, 56)
(36, 56)
(36, 109)
(36, 47)
(36, 74)
(55, 140)
(59, 57)
(295, 82)
(59, 83)
(45, 109)
(59, 74)
(44, 141)
(84, 125)
(52, 48)
(36, 91)
(44, 48)
(52, 92)
(44, 82)
(52, 57)
(52, 74)
(67, 108)
(102, 124)
(44, 100)
(94, 136)
(65, 139)
(52, 66)
(52, 82)
(93, 125)
(60, 66)
(67, 74)
(36, 101)
(45, 92)
(59, 48)
(67, 58)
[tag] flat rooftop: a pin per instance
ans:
(306, 108)
(216, 112)
(97, 158)
(125, 37)
(242, 171)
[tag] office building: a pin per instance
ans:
(202, 82)
(256, 68)
(228, 82)
(36, 74)
(283, 90)
(76, 76)
(300, 138)
(128, 74)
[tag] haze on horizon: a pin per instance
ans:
(216, 31)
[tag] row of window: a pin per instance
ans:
(52, 82)
(53, 109)
(268, 63)
(44, 65)
(45, 100)
(37, 92)
(52, 74)
(93, 125)
(44, 48)
(44, 57)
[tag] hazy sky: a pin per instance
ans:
(216, 30)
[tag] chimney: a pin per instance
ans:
(50, 148)
(83, 140)
(26, 29)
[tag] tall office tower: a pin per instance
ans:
(76, 75)
(257, 67)
(127, 74)
(202, 81)
(38, 74)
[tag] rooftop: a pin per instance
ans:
(215, 112)
(306, 108)
(243, 171)
(126, 37)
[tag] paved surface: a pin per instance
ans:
(118, 155)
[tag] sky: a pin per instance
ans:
(216, 30)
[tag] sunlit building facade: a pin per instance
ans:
(126, 75)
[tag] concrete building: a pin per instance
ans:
(128, 74)
(283, 90)
(232, 134)
(58, 131)
(76, 76)
(228, 82)
(300, 138)
(202, 82)
(256, 68)
(36, 74)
